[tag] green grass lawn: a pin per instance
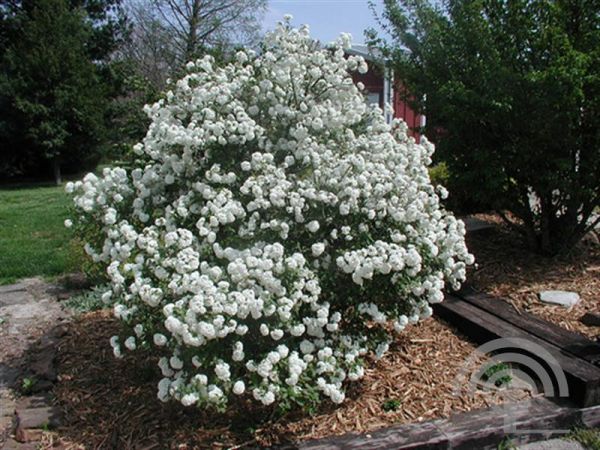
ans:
(33, 238)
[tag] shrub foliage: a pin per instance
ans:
(274, 232)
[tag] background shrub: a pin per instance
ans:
(510, 89)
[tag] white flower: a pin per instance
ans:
(159, 339)
(214, 394)
(176, 363)
(222, 371)
(298, 330)
(307, 346)
(318, 249)
(130, 343)
(268, 398)
(313, 226)
(239, 387)
(189, 399)
(337, 397)
(201, 379)
(277, 334)
(163, 389)
(68, 223)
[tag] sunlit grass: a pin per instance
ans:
(33, 239)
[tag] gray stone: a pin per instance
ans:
(42, 417)
(8, 375)
(43, 366)
(29, 309)
(33, 401)
(11, 444)
(20, 317)
(7, 410)
(563, 298)
(7, 403)
(12, 288)
(14, 298)
(26, 310)
(553, 444)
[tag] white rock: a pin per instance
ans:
(564, 298)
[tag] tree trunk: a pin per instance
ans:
(546, 244)
(192, 38)
(56, 170)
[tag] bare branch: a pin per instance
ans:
(167, 33)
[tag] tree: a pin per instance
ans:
(55, 88)
(169, 33)
(512, 98)
(150, 51)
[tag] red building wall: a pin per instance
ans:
(403, 111)
(374, 81)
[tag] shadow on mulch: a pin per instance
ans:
(111, 403)
(508, 269)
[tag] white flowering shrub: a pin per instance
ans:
(275, 232)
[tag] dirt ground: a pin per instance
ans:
(506, 268)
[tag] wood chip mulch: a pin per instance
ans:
(111, 403)
(506, 268)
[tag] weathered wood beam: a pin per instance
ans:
(583, 378)
(570, 341)
(522, 422)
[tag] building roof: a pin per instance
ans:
(369, 53)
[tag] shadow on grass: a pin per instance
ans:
(29, 185)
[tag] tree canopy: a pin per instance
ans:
(55, 82)
(75, 74)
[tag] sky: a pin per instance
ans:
(326, 18)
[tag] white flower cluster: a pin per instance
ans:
(275, 226)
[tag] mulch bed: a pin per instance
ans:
(506, 268)
(110, 403)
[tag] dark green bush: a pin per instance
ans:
(512, 96)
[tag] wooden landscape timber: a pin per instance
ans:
(570, 341)
(483, 318)
(522, 422)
